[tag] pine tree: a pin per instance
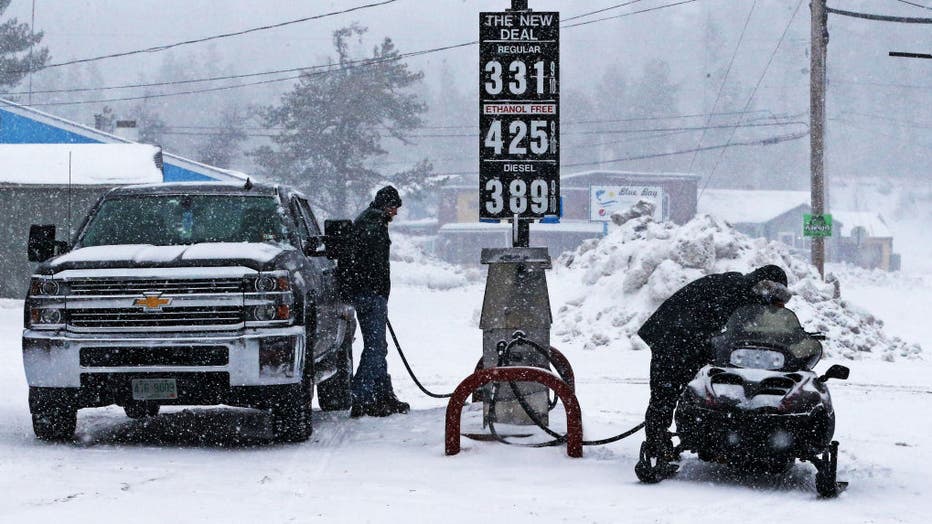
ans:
(18, 54)
(221, 147)
(333, 123)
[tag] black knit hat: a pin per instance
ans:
(768, 272)
(387, 197)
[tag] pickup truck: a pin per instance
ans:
(189, 294)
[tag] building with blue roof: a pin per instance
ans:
(24, 125)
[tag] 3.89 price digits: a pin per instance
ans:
(521, 196)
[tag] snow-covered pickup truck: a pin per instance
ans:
(188, 294)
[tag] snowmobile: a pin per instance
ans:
(759, 405)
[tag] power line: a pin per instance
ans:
(572, 122)
(881, 84)
(164, 47)
(914, 4)
(880, 18)
(234, 76)
(721, 86)
(247, 75)
(753, 92)
(908, 123)
(627, 131)
(357, 64)
(901, 54)
(616, 6)
(629, 14)
(364, 62)
(762, 142)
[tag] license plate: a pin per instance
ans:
(154, 389)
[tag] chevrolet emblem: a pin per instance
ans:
(152, 301)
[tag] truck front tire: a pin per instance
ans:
(291, 412)
(56, 425)
(336, 393)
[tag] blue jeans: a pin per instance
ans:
(371, 382)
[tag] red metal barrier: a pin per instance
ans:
(515, 374)
(560, 363)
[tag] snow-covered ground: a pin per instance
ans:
(215, 464)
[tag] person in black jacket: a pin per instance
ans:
(370, 278)
(678, 334)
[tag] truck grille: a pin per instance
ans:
(166, 317)
(159, 356)
(111, 287)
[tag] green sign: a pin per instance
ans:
(817, 225)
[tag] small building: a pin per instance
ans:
(775, 215)
(25, 125)
(865, 240)
(460, 236)
(859, 238)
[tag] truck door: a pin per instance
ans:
(325, 292)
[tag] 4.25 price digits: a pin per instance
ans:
(521, 195)
(520, 137)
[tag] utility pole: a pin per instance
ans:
(817, 56)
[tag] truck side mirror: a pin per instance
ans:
(312, 249)
(338, 238)
(836, 371)
(42, 244)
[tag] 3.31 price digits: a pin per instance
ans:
(517, 78)
(521, 196)
(521, 137)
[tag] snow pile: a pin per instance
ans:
(413, 266)
(622, 278)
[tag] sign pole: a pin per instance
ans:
(819, 43)
(519, 5)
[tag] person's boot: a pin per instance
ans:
(368, 406)
(370, 409)
(391, 404)
(385, 397)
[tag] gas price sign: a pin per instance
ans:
(519, 116)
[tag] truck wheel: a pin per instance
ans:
(138, 410)
(336, 393)
(291, 413)
(56, 425)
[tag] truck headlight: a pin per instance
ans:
(267, 282)
(270, 312)
(46, 287)
(46, 316)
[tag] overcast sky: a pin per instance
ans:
(858, 59)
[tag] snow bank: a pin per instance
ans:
(623, 277)
(413, 266)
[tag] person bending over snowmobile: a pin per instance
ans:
(678, 334)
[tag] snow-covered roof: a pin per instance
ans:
(90, 164)
(632, 174)
(873, 223)
(176, 167)
(749, 206)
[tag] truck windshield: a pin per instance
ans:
(164, 220)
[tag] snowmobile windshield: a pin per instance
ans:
(165, 220)
(775, 327)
